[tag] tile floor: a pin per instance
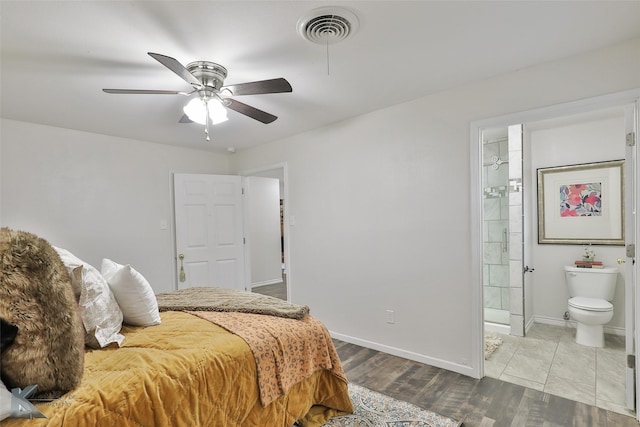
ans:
(548, 359)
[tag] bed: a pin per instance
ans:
(186, 371)
(189, 369)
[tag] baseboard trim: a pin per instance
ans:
(490, 327)
(267, 282)
(529, 324)
(438, 363)
(613, 330)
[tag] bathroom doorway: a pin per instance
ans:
(543, 301)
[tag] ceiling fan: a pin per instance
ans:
(207, 79)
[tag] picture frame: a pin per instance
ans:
(581, 204)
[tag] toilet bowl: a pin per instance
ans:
(590, 315)
(591, 292)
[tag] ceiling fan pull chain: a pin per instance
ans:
(328, 32)
(206, 119)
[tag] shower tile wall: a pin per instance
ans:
(496, 231)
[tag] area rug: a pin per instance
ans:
(491, 344)
(373, 409)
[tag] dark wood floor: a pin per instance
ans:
(479, 403)
(279, 290)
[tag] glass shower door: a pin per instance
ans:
(495, 176)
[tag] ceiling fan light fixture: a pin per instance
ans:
(210, 107)
(197, 111)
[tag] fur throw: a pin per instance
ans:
(37, 297)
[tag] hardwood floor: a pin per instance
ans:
(279, 290)
(487, 402)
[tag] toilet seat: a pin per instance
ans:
(590, 304)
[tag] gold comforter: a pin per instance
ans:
(185, 372)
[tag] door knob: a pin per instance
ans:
(621, 261)
(183, 276)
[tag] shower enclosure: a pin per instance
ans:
(502, 230)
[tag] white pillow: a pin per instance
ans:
(133, 293)
(101, 315)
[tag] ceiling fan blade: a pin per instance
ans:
(176, 67)
(263, 86)
(185, 119)
(146, 92)
(249, 111)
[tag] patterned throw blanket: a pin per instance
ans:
(287, 351)
(287, 343)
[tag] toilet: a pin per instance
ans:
(591, 291)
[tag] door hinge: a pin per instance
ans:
(244, 241)
(242, 190)
(631, 250)
(631, 361)
(631, 139)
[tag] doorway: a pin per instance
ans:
(279, 172)
(540, 306)
(227, 231)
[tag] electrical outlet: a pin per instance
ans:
(390, 317)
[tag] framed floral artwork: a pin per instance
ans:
(581, 204)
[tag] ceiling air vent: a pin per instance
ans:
(327, 25)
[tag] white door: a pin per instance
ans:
(209, 230)
(262, 225)
(630, 201)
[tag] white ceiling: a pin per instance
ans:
(56, 56)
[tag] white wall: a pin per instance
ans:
(98, 196)
(381, 205)
(568, 144)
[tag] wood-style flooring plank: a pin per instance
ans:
(479, 403)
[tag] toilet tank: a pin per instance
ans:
(591, 282)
